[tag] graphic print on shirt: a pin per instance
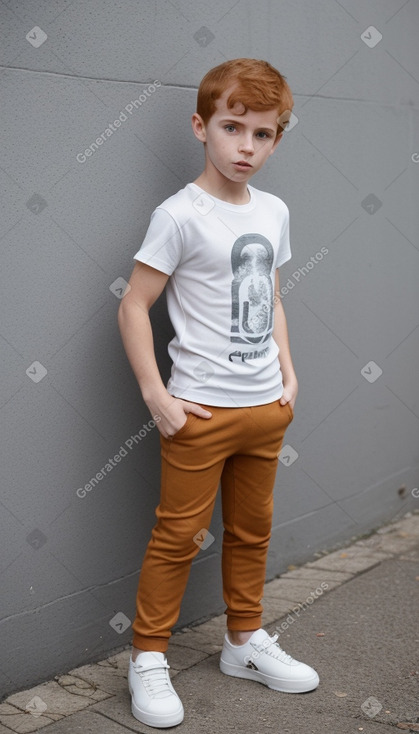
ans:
(252, 258)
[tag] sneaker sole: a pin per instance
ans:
(298, 686)
(159, 721)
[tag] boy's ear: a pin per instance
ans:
(198, 127)
(276, 143)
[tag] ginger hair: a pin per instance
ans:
(256, 85)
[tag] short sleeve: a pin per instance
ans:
(162, 245)
(284, 249)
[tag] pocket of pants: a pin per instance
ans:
(185, 427)
(289, 409)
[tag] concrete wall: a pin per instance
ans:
(348, 171)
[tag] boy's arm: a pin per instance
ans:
(134, 323)
(280, 335)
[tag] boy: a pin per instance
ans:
(217, 244)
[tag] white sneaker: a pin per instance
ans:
(263, 660)
(154, 700)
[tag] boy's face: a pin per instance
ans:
(237, 145)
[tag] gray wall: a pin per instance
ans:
(348, 171)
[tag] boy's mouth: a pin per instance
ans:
(243, 164)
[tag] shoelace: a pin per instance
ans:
(274, 650)
(155, 679)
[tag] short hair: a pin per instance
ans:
(257, 85)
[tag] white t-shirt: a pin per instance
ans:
(222, 259)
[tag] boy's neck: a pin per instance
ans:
(233, 192)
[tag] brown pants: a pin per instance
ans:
(240, 447)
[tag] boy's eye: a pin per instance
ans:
(261, 134)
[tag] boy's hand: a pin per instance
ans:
(289, 394)
(173, 414)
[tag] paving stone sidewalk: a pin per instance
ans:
(360, 638)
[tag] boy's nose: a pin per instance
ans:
(246, 144)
